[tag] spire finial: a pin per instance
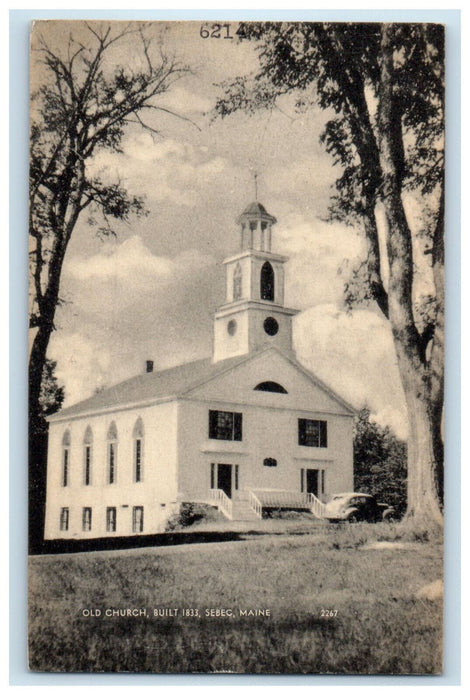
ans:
(255, 176)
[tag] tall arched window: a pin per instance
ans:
(267, 282)
(112, 453)
(66, 441)
(138, 437)
(87, 450)
(237, 282)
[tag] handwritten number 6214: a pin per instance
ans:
(215, 31)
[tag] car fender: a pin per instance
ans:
(389, 514)
(350, 513)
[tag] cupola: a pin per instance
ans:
(255, 228)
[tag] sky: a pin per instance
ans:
(151, 292)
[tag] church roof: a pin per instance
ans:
(150, 386)
(173, 383)
(257, 209)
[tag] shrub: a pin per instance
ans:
(186, 516)
(191, 513)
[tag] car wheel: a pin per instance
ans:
(352, 518)
(388, 515)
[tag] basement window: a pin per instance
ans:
(86, 519)
(64, 519)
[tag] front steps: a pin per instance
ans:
(241, 510)
(248, 505)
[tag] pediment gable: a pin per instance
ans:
(302, 390)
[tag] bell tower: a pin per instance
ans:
(253, 314)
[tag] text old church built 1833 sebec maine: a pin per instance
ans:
(246, 429)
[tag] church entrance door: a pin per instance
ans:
(224, 478)
(312, 482)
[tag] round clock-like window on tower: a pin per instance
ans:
(232, 327)
(271, 326)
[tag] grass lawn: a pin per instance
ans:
(380, 625)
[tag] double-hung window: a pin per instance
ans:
(66, 458)
(112, 453)
(87, 445)
(225, 425)
(313, 433)
(138, 437)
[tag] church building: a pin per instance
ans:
(247, 429)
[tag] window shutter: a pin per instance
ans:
(302, 435)
(302, 472)
(323, 434)
(237, 426)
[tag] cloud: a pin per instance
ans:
(132, 262)
(320, 256)
(184, 101)
(354, 354)
(130, 305)
(163, 170)
(83, 364)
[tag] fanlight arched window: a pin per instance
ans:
(87, 450)
(66, 442)
(237, 282)
(270, 462)
(267, 282)
(112, 453)
(138, 437)
(270, 386)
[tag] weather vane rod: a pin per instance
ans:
(256, 186)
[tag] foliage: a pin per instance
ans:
(82, 106)
(382, 89)
(52, 393)
(188, 514)
(379, 462)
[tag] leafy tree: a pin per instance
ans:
(83, 104)
(382, 87)
(379, 462)
(52, 393)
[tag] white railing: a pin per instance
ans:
(222, 501)
(316, 506)
(281, 498)
(255, 504)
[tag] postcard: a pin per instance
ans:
(236, 369)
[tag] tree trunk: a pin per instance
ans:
(423, 462)
(423, 503)
(37, 440)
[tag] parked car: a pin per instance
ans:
(357, 506)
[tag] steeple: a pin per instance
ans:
(253, 314)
